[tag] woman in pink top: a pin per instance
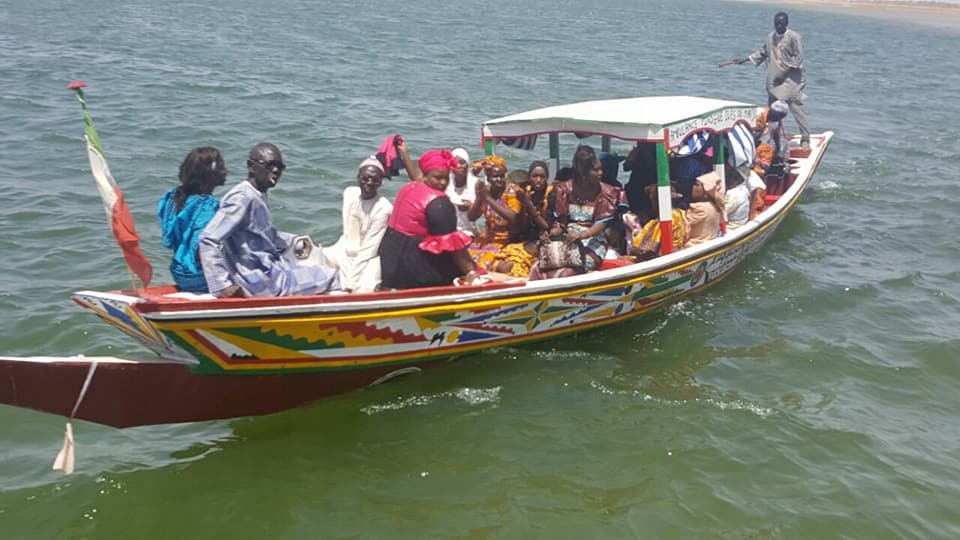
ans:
(422, 246)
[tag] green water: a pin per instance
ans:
(810, 395)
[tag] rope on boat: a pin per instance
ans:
(65, 459)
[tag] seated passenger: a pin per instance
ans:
(641, 162)
(758, 190)
(736, 199)
(497, 202)
(611, 166)
(764, 158)
(184, 212)
(583, 208)
(706, 210)
(422, 246)
(365, 215)
(536, 201)
(564, 174)
(462, 191)
(644, 242)
(243, 253)
(684, 173)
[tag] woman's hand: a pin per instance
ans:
(483, 190)
(523, 196)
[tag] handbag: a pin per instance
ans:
(556, 252)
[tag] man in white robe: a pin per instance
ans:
(365, 216)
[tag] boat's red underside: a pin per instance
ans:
(137, 394)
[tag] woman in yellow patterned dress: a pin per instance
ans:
(497, 202)
(536, 200)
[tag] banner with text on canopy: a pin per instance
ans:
(121, 221)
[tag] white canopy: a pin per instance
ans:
(662, 118)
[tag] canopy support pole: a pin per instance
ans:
(664, 200)
(555, 152)
(718, 167)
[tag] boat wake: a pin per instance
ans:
(715, 402)
(470, 396)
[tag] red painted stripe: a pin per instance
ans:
(666, 237)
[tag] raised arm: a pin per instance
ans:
(530, 211)
(476, 209)
(510, 209)
(757, 57)
(412, 171)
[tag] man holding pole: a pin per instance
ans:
(786, 77)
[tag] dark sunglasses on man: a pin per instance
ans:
(269, 165)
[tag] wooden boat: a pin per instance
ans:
(223, 358)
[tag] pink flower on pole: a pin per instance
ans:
(76, 85)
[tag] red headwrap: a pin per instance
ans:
(437, 159)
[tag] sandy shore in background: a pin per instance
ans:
(919, 12)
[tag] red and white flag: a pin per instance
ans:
(121, 221)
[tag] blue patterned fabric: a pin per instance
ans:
(181, 233)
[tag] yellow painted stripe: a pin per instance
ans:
(448, 351)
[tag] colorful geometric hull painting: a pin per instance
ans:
(319, 342)
(120, 312)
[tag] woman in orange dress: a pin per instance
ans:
(537, 201)
(497, 202)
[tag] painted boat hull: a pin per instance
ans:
(241, 357)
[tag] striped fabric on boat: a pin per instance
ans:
(693, 144)
(741, 146)
(521, 143)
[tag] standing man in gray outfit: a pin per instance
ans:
(786, 78)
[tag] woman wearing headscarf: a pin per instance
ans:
(462, 191)
(497, 202)
(186, 209)
(584, 206)
(422, 246)
(537, 202)
(706, 210)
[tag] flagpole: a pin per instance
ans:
(121, 221)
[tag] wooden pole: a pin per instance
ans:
(555, 152)
(664, 200)
(721, 170)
